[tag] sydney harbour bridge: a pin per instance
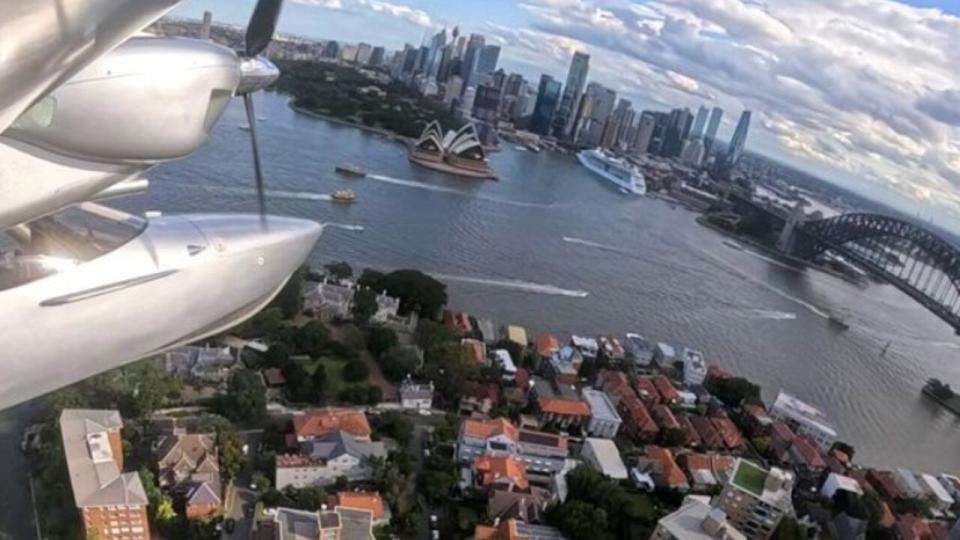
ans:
(915, 260)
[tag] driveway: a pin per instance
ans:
(242, 502)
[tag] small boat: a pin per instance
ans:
(244, 127)
(733, 244)
(838, 321)
(520, 148)
(344, 195)
(350, 170)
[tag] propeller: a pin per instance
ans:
(257, 73)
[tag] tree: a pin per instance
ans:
(371, 279)
(145, 388)
(733, 390)
(398, 362)
(380, 339)
(161, 506)
(395, 425)
(356, 371)
(364, 305)
(276, 355)
(416, 291)
(261, 481)
(230, 448)
(299, 383)
(319, 380)
(246, 398)
(312, 339)
(789, 529)
(430, 334)
(339, 270)
(290, 298)
(579, 520)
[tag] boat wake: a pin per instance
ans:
(771, 315)
(591, 243)
(272, 193)
(453, 191)
(771, 260)
(783, 294)
(515, 284)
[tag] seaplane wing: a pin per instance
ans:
(87, 106)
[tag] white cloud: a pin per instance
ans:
(405, 13)
(329, 4)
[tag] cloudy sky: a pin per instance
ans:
(865, 92)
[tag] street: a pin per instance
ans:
(239, 499)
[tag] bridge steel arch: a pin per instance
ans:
(923, 265)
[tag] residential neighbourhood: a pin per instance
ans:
(332, 423)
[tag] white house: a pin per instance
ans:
(694, 367)
(416, 395)
(837, 482)
(326, 459)
(211, 364)
(804, 419)
(387, 308)
(501, 358)
(604, 419)
(941, 497)
(331, 301)
(602, 455)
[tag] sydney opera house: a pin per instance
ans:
(458, 152)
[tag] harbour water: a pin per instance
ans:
(552, 248)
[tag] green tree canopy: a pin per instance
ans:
(398, 362)
(356, 371)
(364, 305)
(416, 291)
(379, 339)
(339, 270)
(290, 298)
(733, 390)
(246, 398)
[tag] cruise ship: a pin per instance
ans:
(618, 171)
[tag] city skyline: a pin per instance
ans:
(881, 118)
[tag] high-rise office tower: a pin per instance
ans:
(331, 49)
(699, 123)
(678, 129)
(648, 121)
(716, 115)
(601, 101)
(377, 57)
(485, 65)
(548, 97)
(576, 81)
(435, 53)
(364, 52)
(728, 163)
(470, 54)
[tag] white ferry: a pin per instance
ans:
(616, 170)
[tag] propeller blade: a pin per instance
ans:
(252, 121)
(263, 23)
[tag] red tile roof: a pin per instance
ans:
(885, 483)
(274, 377)
(636, 415)
(756, 411)
(728, 431)
(689, 432)
(546, 345)
(781, 431)
(564, 407)
(481, 391)
(647, 390)
(484, 429)
(664, 417)
(319, 422)
(672, 474)
(708, 434)
(361, 500)
(615, 383)
(804, 450)
(492, 469)
(668, 393)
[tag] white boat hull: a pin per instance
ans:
(624, 187)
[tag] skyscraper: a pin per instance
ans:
(435, 53)
(474, 44)
(377, 56)
(735, 150)
(648, 121)
(699, 123)
(486, 64)
(678, 129)
(576, 81)
(600, 101)
(548, 98)
(716, 115)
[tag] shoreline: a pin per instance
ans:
(802, 264)
(392, 136)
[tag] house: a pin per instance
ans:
(512, 529)
(756, 499)
(316, 423)
(546, 346)
(696, 520)
(330, 301)
(637, 421)
(562, 412)
(668, 393)
(416, 395)
(489, 471)
(603, 455)
(338, 524)
(694, 367)
(806, 456)
(543, 454)
(564, 365)
(604, 420)
(756, 418)
(709, 436)
(273, 378)
(707, 471)
(488, 331)
(388, 308)
(478, 397)
(664, 418)
(729, 433)
(363, 500)
(615, 384)
(804, 419)
(639, 350)
(324, 459)
(886, 484)
(910, 527)
(188, 465)
(838, 482)
(515, 334)
(500, 358)
(664, 354)
(647, 391)
(459, 321)
(111, 503)
(611, 349)
(667, 473)
(587, 346)
(524, 504)
(939, 496)
(909, 484)
(781, 433)
(475, 350)
(208, 364)
(690, 434)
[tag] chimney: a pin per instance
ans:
(715, 523)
